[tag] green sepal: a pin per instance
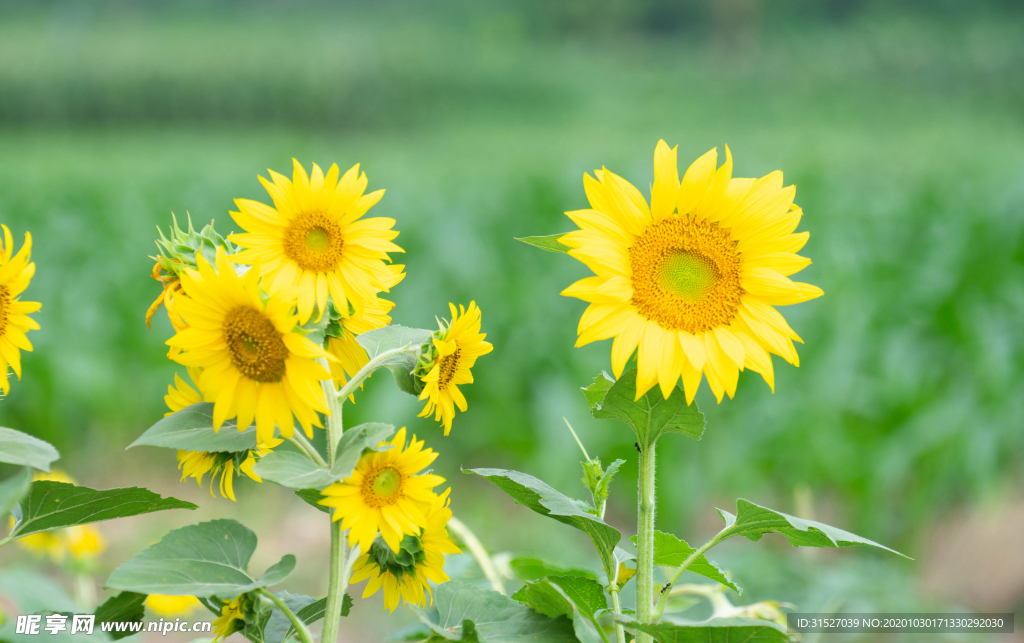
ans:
(402, 364)
(649, 417)
(179, 249)
(549, 242)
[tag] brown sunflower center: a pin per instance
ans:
(256, 347)
(382, 487)
(448, 367)
(686, 275)
(5, 308)
(314, 241)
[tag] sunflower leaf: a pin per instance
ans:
(13, 489)
(354, 442)
(527, 568)
(204, 560)
(23, 449)
(545, 500)
(578, 599)
(293, 470)
(718, 630)
(401, 364)
(651, 415)
(670, 551)
(124, 607)
(277, 626)
(468, 614)
(54, 505)
(754, 521)
(191, 429)
(548, 242)
(312, 497)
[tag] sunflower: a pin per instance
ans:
(313, 238)
(384, 493)
(16, 271)
(80, 542)
(171, 605)
(196, 464)
(405, 575)
(349, 355)
(232, 616)
(456, 347)
(254, 363)
(692, 280)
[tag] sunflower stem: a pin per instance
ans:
(350, 387)
(645, 541)
(307, 449)
(479, 553)
(337, 581)
(620, 632)
(299, 626)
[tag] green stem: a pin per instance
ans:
(299, 626)
(663, 598)
(375, 363)
(337, 582)
(307, 449)
(479, 553)
(645, 542)
(620, 632)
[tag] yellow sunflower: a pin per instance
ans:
(313, 238)
(405, 576)
(254, 363)
(196, 464)
(349, 355)
(81, 542)
(172, 605)
(456, 347)
(16, 271)
(232, 616)
(692, 280)
(384, 493)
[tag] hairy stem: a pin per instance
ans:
(479, 553)
(375, 363)
(645, 542)
(620, 632)
(337, 582)
(663, 598)
(299, 626)
(307, 449)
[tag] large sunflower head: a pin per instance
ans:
(313, 237)
(448, 362)
(385, 494)
(16, 271)
(691, 280)
(255, 365)
(407, 575)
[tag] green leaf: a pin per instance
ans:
(191, 429)
(312, 497)
(473, 615)
(670, 551)
(528, 568)
(23, 449)
(293, 470)
(570, 596)
(722, 630)
(549, 242)
(315, 611)
(543, 499)
(54, 505)
(354, 442)
(208, 559)
(651, 415)
(278, 626)
(401, 365)
(13, 489)
(126, 607)
(754, 521)
(31, 592)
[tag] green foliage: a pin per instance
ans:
(401, 365)
(670, 551)
(295, 471)
(23, 449)
(195, 561)
(650, 416)
(754, 521)
(126, 607)
(472, 615)
(312, 497)
(317, 609)
(54, 505)
(273, 626)
(540, 497)
(354, 442)
(723, 630)
(548, 242)
(13, 489)
(529, 568)
(191, 429)
(578, 599)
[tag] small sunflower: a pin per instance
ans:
(350, 356)
(692, 280)
(313, 238)
(232, 616)
(80, 542)
(255, 366)
(16, 271)
(419, 561)
(448, 363)
(171, 605)
(196, 464)
(384, 493)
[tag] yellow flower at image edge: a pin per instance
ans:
(384, 493)
(171, 605)
(691, 281)
(456, 347)
(313, 238)
(254, 366)
(16, 271)
(81, 542)
(196, 464)
(408, 575)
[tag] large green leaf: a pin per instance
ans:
(274, 628)
(545, 500)
(126, 607)
(754, 521)
(354, 442)
(23, 449)
(191, 429)
(208, 559)
(13, 489)
(529, 568)
(670, 551)
(54, 505)
(295, 471)
(401, 365)
(722, 630)
(578, 599)
(651, 415)
(470, 614)
(547, 242)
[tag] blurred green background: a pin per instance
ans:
(901, 124)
